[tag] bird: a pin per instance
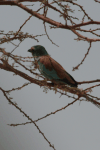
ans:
(50, 68)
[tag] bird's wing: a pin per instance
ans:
(50, 64)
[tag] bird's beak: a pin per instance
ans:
(29, 50)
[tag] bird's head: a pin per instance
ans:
(38, 50)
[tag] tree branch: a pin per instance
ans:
(9, 100)
(52, 22)
(72, 90)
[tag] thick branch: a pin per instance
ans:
(86, 23)
(72, 90)
(8, 67)
(46, 19)
(52, 22)
(18, 1)
(84, 82)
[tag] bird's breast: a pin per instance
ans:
(40, 66)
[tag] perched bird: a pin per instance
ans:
(51, 69)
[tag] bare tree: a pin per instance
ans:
(72, 23)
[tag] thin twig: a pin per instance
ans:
(9, 100)
(47, 114)
(74, 68)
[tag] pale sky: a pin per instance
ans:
(75, 128)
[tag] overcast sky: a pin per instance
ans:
(75, 128)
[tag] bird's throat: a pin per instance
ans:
(37, 58)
